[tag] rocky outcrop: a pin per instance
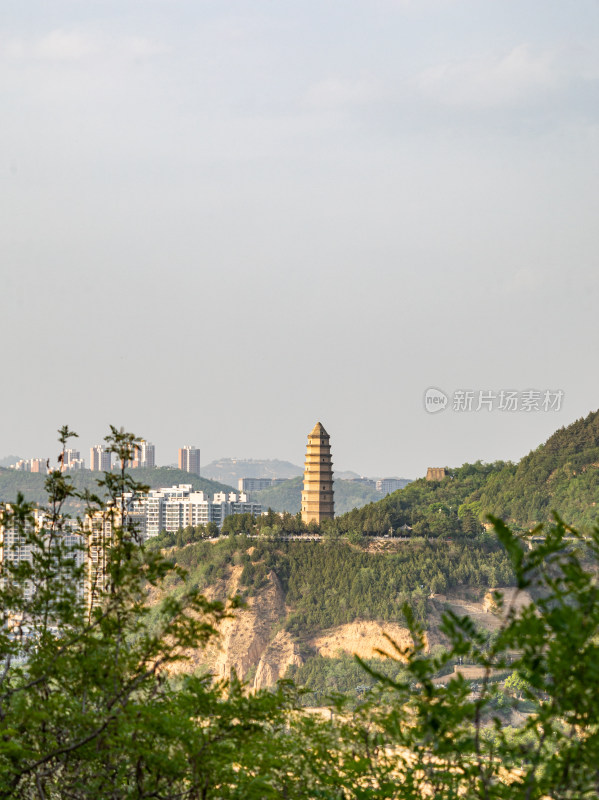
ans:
(281, 653)
(245, 638)
(247, 641)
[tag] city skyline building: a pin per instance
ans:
(99, 530)
(388, 485)
(189, 459)
(100, 459)
(144, 456)
(39, 465)
(257, 484)
(18, 546)
(175, 507)
(317, 496)
(72, 460)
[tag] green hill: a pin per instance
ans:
(31, 484)
(287, 496)
(561, 475)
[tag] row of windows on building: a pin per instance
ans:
(170, 509)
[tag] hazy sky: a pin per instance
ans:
(223, 221)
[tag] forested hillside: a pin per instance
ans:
(561, 475)
(31, 484)
(310, 601)
(332, 582)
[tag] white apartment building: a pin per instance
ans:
(32, 465)
(175, 507)
(16, 546)
(388, 485)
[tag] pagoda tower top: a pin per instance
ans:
(318, 430)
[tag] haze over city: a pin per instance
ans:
(224, 221)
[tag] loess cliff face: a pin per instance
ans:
(255, 645)
(252, 643)
(363, 638)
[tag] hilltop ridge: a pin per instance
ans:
(31, 484)
(560, 475)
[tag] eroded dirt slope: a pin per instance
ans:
(255, 644)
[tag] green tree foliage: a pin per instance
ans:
(86, 706)
(89, 707)
(321, 677)
(515, 684)
(425, 508)
(335, 584)
(413, 738)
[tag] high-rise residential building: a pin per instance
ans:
(189, 459)
(100, 459)
(175, 507)
(144, 455)
(388, 485)
(32, 465)
(254, 484)
(71, 455)
(16, 545)
(99, 541)
(317, 497)
(100, 529)
(22, 465)
(72, 460)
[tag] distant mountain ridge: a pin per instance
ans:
(229, 470)
(8, 461)
(560, 475)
